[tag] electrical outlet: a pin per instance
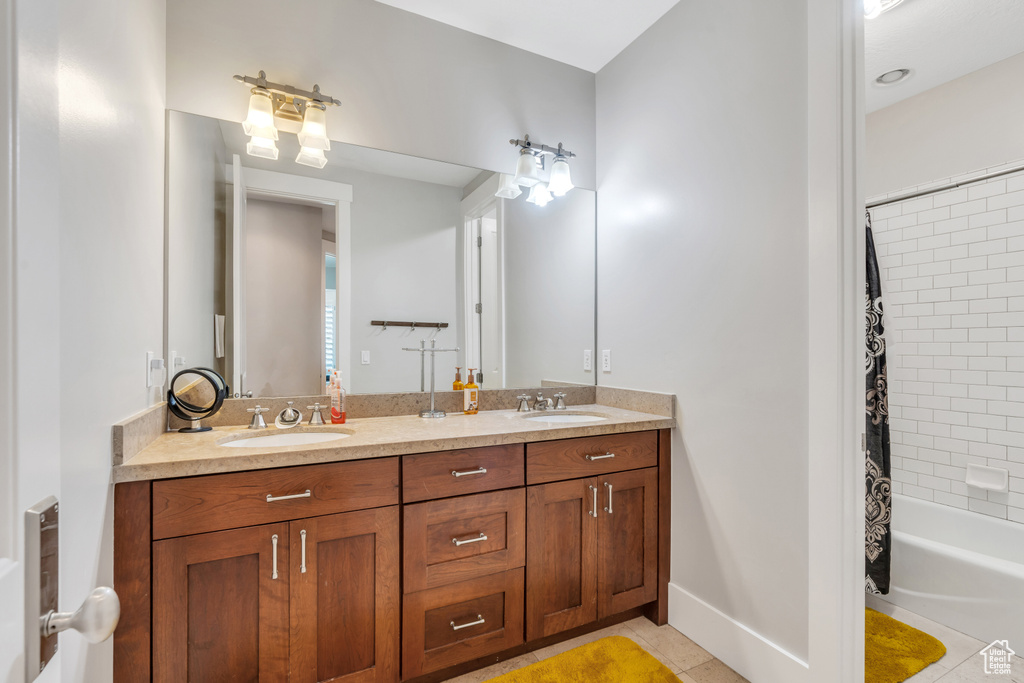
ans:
(606, 360)
(364, 357)
(588, 360)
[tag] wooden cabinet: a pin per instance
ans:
(592, 546)
(293, 574)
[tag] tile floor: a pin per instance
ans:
(686, 659)
(961, 664)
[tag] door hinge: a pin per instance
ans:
(864, 442)
(479, 240)
(479, 308)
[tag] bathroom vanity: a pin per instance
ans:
(409, 550)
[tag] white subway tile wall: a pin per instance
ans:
(952, 268)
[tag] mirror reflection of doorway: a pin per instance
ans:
(485, 333)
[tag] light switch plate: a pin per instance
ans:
(364, 357)
(588, 360)
(42, 579)
(606, 360)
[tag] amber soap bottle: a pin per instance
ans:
(471, 395)
(457, 385)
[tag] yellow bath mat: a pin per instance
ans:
(614, 659)
(893, 651)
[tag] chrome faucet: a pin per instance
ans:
(257, 418)
(524, 403)
(316, 419)
(560, 401)
(542, 403)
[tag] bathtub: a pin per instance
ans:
(962, 569)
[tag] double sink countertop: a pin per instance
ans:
(173, 454)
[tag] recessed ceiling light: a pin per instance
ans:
(893, 77)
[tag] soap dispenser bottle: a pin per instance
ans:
(337, 400)
(471, 395)
(457, 385)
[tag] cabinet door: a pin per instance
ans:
(220, 607)
(561, 556)
(628, 540)
(345, 597)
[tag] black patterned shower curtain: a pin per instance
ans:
(878, 510)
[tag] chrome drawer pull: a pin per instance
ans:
(600, 457)
(302, 567)
(479, 620)
(609, 508)
(271, 499)
(479, 470)
(593, 512)
(273, 539)
(479, 538)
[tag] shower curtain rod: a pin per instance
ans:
(948, 186)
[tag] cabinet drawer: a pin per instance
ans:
(572, 458)
(454, 473)
(461, 622)
(226, 501)
(452, 540)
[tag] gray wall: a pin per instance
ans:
(702, 255)
(407, 84)
(971, 123)
(196, 195)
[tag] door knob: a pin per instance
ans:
(96, 619)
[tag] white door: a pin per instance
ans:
(235, 273)
(492, 346)
(29, 331)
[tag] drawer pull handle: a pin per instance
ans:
(479, 470)
(302, 567)
(476, 539)
(271, 499)
(593, 511)
(600, 457)
(479, 620)
(609, 508)
(273, 540)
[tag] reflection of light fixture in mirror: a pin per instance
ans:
(539, 195)
(508, 188)
(560, 182)
(309, 156)
(531, 161)
(526, 169)
(262, 147)
(314, 128)
(273, 106)
(874, 8)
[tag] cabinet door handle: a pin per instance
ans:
(609, 508)
(600, 457)
(479, 470)
(475, 539)
(593, 511)
(273, 539)
(479, 620)
(302, 567)
(271, 499)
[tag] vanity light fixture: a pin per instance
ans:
(273, 106)
(874, 8)
(528, 167)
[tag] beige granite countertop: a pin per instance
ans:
(184, 455)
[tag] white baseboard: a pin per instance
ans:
(747, 653)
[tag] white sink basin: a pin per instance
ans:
(289, 439)
(564, 418)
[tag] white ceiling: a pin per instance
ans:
(939, 40)
(583, 33)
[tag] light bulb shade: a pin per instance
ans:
(526, 170)
(560, 182)
(314, 128)
(310, 156)
(539, 195)
(872, 8)
(260, 119)
(508, 188)
(262, 147)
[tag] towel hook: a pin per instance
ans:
(413, 326)
(439, 327)
(385, 326)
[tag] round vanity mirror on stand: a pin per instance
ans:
(194, 394)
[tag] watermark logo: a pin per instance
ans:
(998, 657)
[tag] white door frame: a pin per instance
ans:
(474, 207)
(836, 275)
(284, 187)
